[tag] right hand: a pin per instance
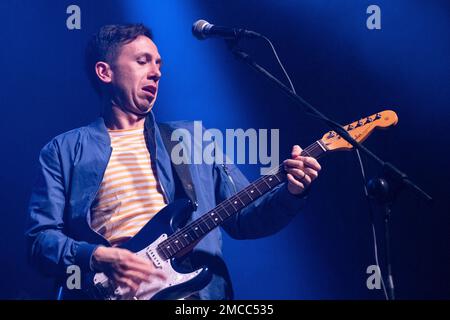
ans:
(125, 268)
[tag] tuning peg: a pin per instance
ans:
(332, 134)
(359, 123)
(350, 127)
(369, 119)
(377, 116)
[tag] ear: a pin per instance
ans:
(103, 71)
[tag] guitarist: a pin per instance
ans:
(98, 185)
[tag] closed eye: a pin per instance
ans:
(144, 59)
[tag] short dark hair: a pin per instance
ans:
(104, 45)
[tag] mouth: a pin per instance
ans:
(150, 89)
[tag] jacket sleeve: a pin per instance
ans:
(263, 217)
(49, 249)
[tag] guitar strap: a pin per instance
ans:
(182, 169)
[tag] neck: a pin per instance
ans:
(118, 118)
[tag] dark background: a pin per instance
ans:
(336, 63)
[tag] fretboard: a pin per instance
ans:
(197, 229)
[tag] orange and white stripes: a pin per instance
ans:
(129, 195)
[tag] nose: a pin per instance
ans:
(154, 72)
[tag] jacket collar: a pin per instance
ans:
(99, 132)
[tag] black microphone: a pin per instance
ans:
(202, 29)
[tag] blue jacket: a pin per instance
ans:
(71, 168)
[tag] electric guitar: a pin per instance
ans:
(162, 240)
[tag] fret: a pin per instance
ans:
(306, 152)
(231, 203)
(200, 226)
(238, 204)
(245, 198)
(195, 229)
(252, 191)
(169, 248)
(262, 187)
(208, 219)
(248, 194)
(254, 184)
(215, 217)
(235, 204)
(176, 243)
(192, 234)
(228, 208)
(181, 239)
(220, 208)
(225, 209)
(270, 187)
(221, 217)
(188, 235)
(269, 179)
(278, 178)
(238, 196)
(281, 176)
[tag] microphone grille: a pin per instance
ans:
(198, 29)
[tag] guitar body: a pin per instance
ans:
(176, 286)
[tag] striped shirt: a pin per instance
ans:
(129, 195)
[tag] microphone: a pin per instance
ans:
(202, 29)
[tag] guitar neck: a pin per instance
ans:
(191, 233)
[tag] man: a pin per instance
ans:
(100, 184)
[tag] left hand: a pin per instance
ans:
(301, 171)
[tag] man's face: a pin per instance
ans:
(135, 76)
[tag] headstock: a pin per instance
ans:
(359, 130)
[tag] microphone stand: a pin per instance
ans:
(383, 189)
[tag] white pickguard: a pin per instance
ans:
(148, 289)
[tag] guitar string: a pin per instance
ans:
(227, 202)
(259, 182)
